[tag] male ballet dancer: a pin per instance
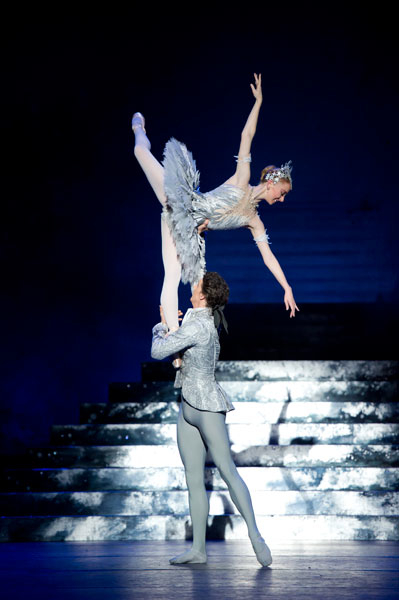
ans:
(201, 423)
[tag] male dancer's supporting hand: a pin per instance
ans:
(203, 227)
(163, 320)
(177, 360)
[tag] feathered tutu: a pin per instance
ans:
(181, 181)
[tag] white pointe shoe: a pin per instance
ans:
(262, 551)
(138, 121)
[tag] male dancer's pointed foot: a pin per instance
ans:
(138, 121)
(262, 551)
(192, 556)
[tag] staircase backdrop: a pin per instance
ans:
(316, 442)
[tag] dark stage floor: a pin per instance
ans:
(130, 570)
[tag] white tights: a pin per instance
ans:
(154, 172)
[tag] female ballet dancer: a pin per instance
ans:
(187, 212)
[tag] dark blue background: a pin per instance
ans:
(81, 265)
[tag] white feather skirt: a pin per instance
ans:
(181, 181)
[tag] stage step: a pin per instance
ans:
(221, 527)
(172, 478)
(247, 412)
(287, 370)
(321, 455)
(149, 503)
(282, 434)
(316, 441)
(261, 391)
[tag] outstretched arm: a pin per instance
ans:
(258, 230)
(243, 171)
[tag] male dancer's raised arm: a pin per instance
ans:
(164, 344)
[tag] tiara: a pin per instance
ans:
(284, 172)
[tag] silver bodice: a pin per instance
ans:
(198, 339)
(226, 207)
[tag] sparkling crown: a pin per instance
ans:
(284, 172)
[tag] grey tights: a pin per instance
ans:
(198, 430)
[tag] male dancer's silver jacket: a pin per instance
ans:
(198, 339)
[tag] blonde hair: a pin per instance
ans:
(268, 170)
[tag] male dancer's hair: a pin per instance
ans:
(215, 289)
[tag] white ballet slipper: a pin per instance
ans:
(192, 556)
(138, 121)
(262, 551)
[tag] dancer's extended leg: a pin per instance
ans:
(172, 268)
(212, 427)
(193, 453)
(152, 168)
(154, 172)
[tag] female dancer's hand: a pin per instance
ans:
(290, 302)
(257, 88)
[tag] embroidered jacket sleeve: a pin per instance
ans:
(189, 334)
